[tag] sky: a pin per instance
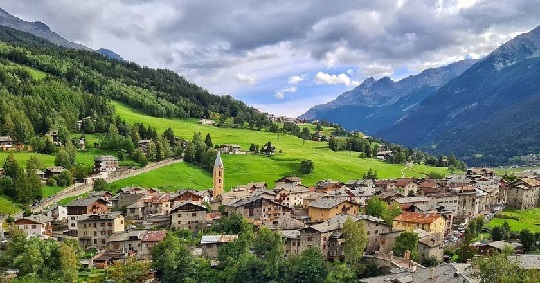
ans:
(285, 56)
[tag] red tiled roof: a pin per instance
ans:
(417, 217)
(154, 236)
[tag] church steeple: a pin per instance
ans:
(217, 189)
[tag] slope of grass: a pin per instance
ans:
(7, 206)
(241, 169)
(169, 178)
(49, 191)
(523, 219)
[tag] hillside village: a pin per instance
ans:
(131, 222)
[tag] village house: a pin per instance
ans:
(385, 185)
(325, 208)
(127, 243)
(211, 243)
(431, 246)
(230, 149)
(291, 240)
(129, 196)
(149, 240)
(366, 187)
(6, 143)
(94, 229)
(193, 196)
(407, 186)
(291, 196)
(136, 211)
(260, 207)
(325, 186)
(84, 206)
(35, 225)
(58, 212)
(523, 193)
(189, 216)
(105, 163)
(206, 122)
(429, 222)
(53, 171)
(143, 145)
(53, 137)
(287, 181)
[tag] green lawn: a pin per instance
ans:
(7, 206)
(85, 157)
(49, 191)
(242, 169)
(169, 178)
(528, 219)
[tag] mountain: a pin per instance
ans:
(486, 115)
(110, 54)
(40, 29)
(377, 104)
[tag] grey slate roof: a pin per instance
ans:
(325, 203)
(218, 162)
(85, 201)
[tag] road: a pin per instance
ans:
(81, 188)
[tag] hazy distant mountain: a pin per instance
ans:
(42, 30)
(488, 114)
(377, 104)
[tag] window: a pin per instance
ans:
(179, 222)
(293, 244)
(72, 224)
(376, 232)
(368, 233)
(310, 239)
(25, 226)
(194, 214)
(95, 233)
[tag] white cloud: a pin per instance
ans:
(328, 79)
(280, 94)
(295, 80)
(245, 79)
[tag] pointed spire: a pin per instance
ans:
(219, 162)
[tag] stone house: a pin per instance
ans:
(429, 222)
(523, 193)
(189, 216)
(53, 171)
(325, 208)
(211, 243)
(261, 207)
(84, 206)
(431, 246)
(105, 163)
(35, 225)
(230, 148)
(192, 196)
(291, 196)
(149, 240)
(95, 229)
(406, 186)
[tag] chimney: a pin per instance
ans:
(413, 268)
(407, 255)
(432, 273)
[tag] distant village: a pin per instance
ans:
(135, 219)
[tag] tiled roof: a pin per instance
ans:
(154, 236)
(325, 203)
(85, 201)
(417, 217)
(212, 239)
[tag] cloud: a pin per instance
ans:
(324, 78)
(245, 79)
(280, 94)
(295, 80)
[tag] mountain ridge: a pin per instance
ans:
(42, 30)
(357, 109)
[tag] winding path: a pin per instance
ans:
(81, 188)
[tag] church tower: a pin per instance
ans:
(218, 176)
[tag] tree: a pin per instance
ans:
(62, 158)
(69, 263)
(505, 229)
(496, 233)
(305, 134)
(172, 260)
(499, 268)
(370, 174)
(269, 244)
(65, 178)
(309, 267)
(407, 240)
(435, 175)
(341, 273)
(392, 212)
(100, 185)
(376, 207)
(466, 251)
(306, 166)
(129, 271)
(528, 240)
(208, 140)
(355, 240)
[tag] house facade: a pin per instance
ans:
(325, 208)
(523, 193)
(94, 230)
(35, 225)
(189, 216)
(429, 222)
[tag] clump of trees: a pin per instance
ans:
(198, 152)
(20, 184)
(306, 166)
(379, 208)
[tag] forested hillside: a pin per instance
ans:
(158, 92)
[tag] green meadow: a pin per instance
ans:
(245, 168)
(519, 219)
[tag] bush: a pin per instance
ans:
(306, 166)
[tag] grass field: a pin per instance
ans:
(242, 169)
(528, 219)
(85, 157)
(7, 206)
(49, 191)
(169, 178)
